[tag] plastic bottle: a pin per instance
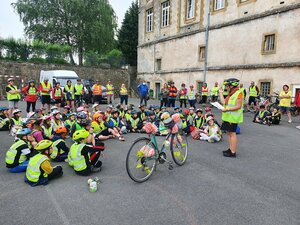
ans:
(93, 186)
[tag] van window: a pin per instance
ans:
(63, 81)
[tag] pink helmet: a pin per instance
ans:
(191, 85)
(80, 109)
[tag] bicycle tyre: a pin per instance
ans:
(177, 146)
(131, 153)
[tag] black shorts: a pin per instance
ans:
(230, 127)
(46, 99)
(105, 132)
(97, 98)
(252, 100)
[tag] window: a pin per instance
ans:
(219, 4)
(158, 64)
(165, 14)
(201, 53)
(190, 9)
(149, 20)
(265, 88)
(269, 43)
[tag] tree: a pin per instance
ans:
(128, 34)
(82, 24)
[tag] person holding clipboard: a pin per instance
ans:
(232, 113)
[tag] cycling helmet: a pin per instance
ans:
(209, 118)
(97, 115)
(61, 130)
(55, 112)
(168, 122)
(53, 108)
(48, 117)
(67, 107)
(151, 113)
(31, 81)
(199, 110)
(23, 132)
(16, 111)
(80, 134)
(232, 82)
(85, 122)
(134, 112)
(71, 114)
(115, 111)
(81, 115)
(43, 145)
(80, 109)
(3, 108)
(165, 115)
(95, 105)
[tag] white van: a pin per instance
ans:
(61, 76)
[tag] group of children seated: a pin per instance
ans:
(40, 138)
(263, 116)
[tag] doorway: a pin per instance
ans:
(157, 90)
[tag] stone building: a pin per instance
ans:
(252, 40)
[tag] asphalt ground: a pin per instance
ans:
(260, 186)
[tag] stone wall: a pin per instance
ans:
(26, 71)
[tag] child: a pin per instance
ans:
(56, 120)
(135, 124)
(82, 157)
(60, 150)
(142, 114)
(199, 119)
(153, 119)
(127, 116)
(183, 96)
(4, 119)
(39, 170)
(100, 130)
(17, 157)
(86, 124)
(76, 126)
(212, 132)
(112, 129)
(121, 110)
(261, 115)
(66, 112)
(108, 110)
(191, 116)
(53, 108)
(119, 124)
(47, 128)
(15, 122)
(96, 108)
(274, 117)
(70, 121)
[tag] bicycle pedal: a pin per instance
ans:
(170, 167)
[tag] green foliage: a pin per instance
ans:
(85, 25)
(128, 34)
(115, 58)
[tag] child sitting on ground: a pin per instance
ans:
(199, 119)
(4, 119)
(274, 117)
(82, 157)
(60, 150)
(135, 124)
(212, 132)
(39, 170)
(17, 157)
(261, 115)
(47, 128)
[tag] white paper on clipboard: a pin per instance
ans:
(217, 105)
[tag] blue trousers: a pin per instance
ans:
(20, 168)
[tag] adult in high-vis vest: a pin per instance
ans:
(232, 114)
(57, 95)
(31, 93)
(204, 91)
(78, 93)
(13, 95)
(110, 93)
(192, 94)
(39, 170)
(70, 94)
(45, 89)
(123, 95)
(214, 92)
(97, 90)
(172, 94)
(82, 157)
(182, 96)
(253, 94)
(17, 157)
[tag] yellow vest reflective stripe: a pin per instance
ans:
(110, 89)
(10, 96)
(225, 92)
(12, 153)
(123, 91)
(182, 95)
(17, 122)
(70, 89)
(233, 116)
(97, 89)
(134, 122)
(57, 92)
(252, 91)
(31, 91)
(76, 159)
(215, 91)
(204, 91)
(78, 89)
(33, 171)
(45, 88)
(199, 122)
(55, 148)
(98, 127)
(192, 95)
(47, 131)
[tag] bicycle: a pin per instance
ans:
(144, 155)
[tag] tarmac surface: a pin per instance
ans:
(260, 186)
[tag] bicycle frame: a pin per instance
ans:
(154, 143)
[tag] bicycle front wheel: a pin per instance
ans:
(141, 160)
(179, 148)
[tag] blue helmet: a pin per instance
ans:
(23, 132)
(81, 115)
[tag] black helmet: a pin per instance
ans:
(151, 113)
(232, 82)
(85, 122)
(81, 115)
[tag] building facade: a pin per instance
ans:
(252, 40)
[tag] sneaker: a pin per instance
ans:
(229, 154)
(290, 121)
(228, 150)
(95, 169)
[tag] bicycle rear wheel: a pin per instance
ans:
(141, 160)
(179, 148)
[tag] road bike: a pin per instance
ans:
(144, 155)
